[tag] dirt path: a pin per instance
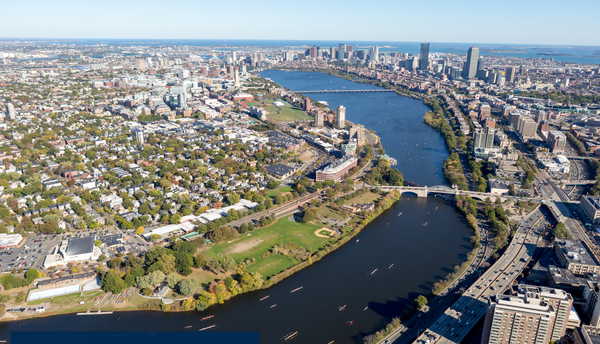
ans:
(244, 246)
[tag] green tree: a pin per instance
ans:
(115, 263)
(419, 302)
(98, 242)
(111, 282)
(233, 198)
(199, 261)
(228, 263)
(32, 274)
(273, 184)
(309, 215)
(187, 286)
(172, 280)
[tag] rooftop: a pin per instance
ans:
(78, 246)
(279, 170)
(575, 252)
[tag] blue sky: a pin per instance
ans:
(524, 22)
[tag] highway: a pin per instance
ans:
(412, 327)
(556, 198)
(455, 322)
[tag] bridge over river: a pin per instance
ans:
(423, 191)
(345, 91)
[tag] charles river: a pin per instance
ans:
(421, 255)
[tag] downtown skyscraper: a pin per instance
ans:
(470, 68)
(424, 57)
(342, 51)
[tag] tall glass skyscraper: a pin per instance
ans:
(342, 51)
(470, 68)
(424, 58)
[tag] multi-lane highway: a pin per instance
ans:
(455, 322)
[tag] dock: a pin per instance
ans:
(99, 312)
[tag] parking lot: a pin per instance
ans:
(37, 246)
(31, 253)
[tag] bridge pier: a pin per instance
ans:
(423, 192)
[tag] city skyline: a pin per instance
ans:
(72, 20)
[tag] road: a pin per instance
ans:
(451, 324)
(277, 209)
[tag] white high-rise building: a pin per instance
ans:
(138, 134)
(10, 109)
(340, 119)
(140, 64)
(236, 78)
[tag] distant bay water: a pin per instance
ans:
(563, 53)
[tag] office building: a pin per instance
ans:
(424, 57)
(358, 133)
(485, 111)
(337, 169)
(138, 134)
(470, 68)
(10, 111)
(140, 64)
(510, 74)
(236, 78)
(288, 56)
(340, 119)
(480, 63)
(233, 57)
(591, 294)
(341, 51)
(591, 207)
(492, 77)
(501, 80)
(484, 138)
(514, 114)
(319, 119)
(574, 255)
(526, 127)
(587, 334)
(313, 51)
(556, 141)
(375, 54)
(482, 74)
(530, 315)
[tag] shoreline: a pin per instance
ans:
(274, 279)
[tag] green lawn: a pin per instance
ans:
(286, 113)
(263, 239)
(253, 103)
(325, 211)
(364, 198)
(275, 192)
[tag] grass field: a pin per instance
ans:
(364, 198)
(275, 192)
(284, 114)
(253, 103)
(263, 239)
(324, 211)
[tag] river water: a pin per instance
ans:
(374, 276)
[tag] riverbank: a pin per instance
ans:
(299, 250)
